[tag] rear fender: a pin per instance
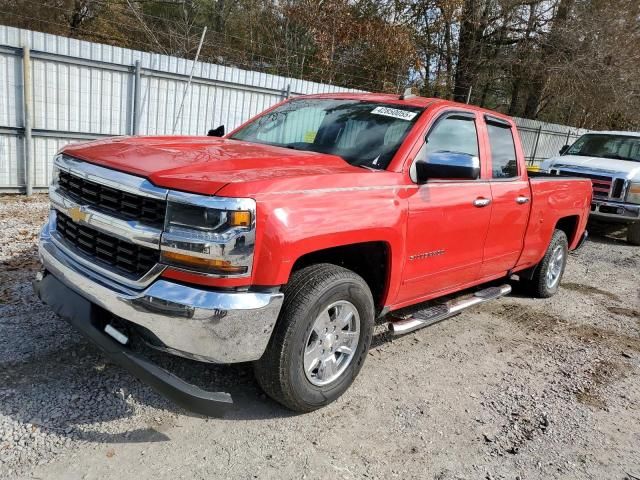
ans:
(561, 202)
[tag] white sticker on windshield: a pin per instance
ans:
(395, 113)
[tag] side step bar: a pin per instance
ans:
(436, 313)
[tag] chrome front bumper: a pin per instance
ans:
(616, 211)
(205, 325)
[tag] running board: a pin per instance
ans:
(437, 313)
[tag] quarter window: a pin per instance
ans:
(503, 151)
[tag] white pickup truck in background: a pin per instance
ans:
(612, 161)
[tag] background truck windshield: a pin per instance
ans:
(621, 147)
(364, 134)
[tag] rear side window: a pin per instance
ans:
(503, 151)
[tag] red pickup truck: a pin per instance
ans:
(282, 243)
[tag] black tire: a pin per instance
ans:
(633, 233)
(538, 286)
(280, 371)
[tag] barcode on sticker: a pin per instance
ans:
(394, 112)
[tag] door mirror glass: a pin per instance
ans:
(216, 132)
(564, 149)
(448, 165)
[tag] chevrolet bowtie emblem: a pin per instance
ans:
(77, 214)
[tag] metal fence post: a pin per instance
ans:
(135, 121)
(27, 105)
(535, 146)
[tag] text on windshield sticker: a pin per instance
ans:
(395, 113)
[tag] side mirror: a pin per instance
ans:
(448, 165)
(564, 149)
(216, 132)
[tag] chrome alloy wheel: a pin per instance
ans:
(554, 270)
(332, 343)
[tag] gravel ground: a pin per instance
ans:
(517, 388)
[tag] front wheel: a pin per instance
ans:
(545, 281)
(321, 339)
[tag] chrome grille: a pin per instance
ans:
(146, 210)
(131, 260)
(602, 184)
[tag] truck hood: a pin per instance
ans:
(606, 166)
(203, 164)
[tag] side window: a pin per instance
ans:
(503, 151)
(456, 134)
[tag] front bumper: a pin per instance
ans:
(79, 312)
(205, 325)
(615, 211)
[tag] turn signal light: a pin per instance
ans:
(240, 219)
(206, 265)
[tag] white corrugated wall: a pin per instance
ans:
(84, 90)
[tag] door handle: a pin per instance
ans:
(522, 199)
(481, 202)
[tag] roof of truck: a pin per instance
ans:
(414, 100)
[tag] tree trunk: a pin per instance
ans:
(549, 47)
(470, 46)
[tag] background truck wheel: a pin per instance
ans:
(633, 233)
(321, 339)
(547, 275)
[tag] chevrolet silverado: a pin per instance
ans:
(282, 242)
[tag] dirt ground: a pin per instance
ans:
(516, 389)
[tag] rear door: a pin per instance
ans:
(511, 196)
(448, 219)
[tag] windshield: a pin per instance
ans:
(620, 147)
(364, 134)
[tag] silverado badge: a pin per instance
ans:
(420, 256)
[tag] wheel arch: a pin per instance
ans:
(569, 225)
(371, 260)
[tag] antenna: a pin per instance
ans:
(186, 88)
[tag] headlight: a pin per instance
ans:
(212, 235)
(633, 194)
(210, 222)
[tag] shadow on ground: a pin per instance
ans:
(607, 233)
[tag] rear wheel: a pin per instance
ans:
(633, 233)
(321, 339)
(545, 281)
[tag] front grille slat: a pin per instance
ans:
(128, 206)
(124, 257)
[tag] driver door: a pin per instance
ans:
(448, 218)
